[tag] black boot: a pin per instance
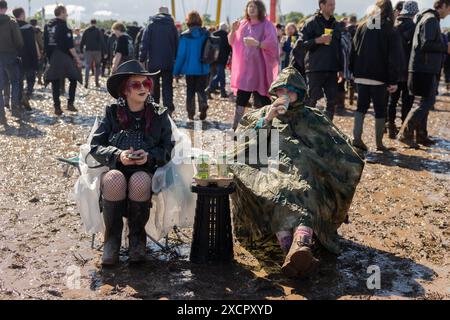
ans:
(3, 119)
(58, 110)
(423, 139)
(26, 103)
(203, 112)
(112, 215)
(71, 107)
(16, 112)
(138, 215)
(406, 134)
(393, 131)
(380, 125)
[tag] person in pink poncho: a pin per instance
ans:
(255, 58)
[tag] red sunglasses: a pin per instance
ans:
(137, 85)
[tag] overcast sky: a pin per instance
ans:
(140, 10)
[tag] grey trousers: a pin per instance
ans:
(89, 58)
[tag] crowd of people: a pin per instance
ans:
(396, 61)
(394, 52)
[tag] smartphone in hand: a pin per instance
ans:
(135, 156)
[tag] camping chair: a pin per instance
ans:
(74, 162)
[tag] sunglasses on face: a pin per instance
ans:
(137, 85)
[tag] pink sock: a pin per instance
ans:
(285, 240)
(304, 235)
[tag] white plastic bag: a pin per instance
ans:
(86, 191)
(173, 201)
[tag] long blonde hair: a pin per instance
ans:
(386, 11)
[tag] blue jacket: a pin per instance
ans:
(190, 52)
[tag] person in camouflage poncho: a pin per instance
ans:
(312, 188)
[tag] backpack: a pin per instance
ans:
(210, 50)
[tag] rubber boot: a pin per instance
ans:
(406, 134)
(3, 117)
(16, 111)
(138, 215)
(351, 95)
(380, 124)
(58, 110)
(203, 107)
(26, 103)
(358, 130)
(112, 215)
(299, 261)
(330, 114)
(238, 114)
(340, 103)
(190, 107)
(393, 131)
(71, 107)
(423, 139)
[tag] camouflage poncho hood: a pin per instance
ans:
(291, 79)
(315, 180)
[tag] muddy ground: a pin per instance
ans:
(399, 222)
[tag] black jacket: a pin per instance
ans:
(447, 59)
(10, 37)
(225, 48)
(93, 40)
(377, 54)
(297, 57)
(320, 57)
(160, 51)
(137, 43)
(132, 31)
(428, 47)
(352, 29)
(57, 35)
(158, 143)
(28, 53)
(110, 44)
(405, 27)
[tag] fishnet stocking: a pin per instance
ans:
(114, 186)
(140, 187)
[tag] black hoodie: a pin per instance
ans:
(377, 54)
(28, 53)
(405, 26)
(428, 47)
(57, 35)
(160, 51)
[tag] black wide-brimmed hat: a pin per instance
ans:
(126, 69)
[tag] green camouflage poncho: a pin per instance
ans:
(315, 180)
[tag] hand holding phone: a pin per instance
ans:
(135, 156)
(131, 157)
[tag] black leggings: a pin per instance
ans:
(243, 97)
(407, 102)
(376, 94)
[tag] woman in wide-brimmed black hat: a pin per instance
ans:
(133, 140)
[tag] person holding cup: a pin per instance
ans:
(255, 59)
(309, 183)
(324, 62)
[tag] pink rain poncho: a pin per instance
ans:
(252, 68)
